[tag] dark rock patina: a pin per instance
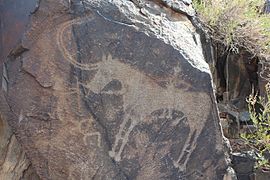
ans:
(115, 90)
(243, 164)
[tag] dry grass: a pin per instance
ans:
(237, 24)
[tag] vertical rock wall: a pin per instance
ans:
(14, 164)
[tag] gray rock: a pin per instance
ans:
(244, 116)
(230, 175)
(267, 6)
(243, 164)
(181, 6)
(188, 2)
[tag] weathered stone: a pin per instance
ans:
(231, 175)
(243, 164)
(262, 175)
(14, 16)
(267, 6)
(182, 6)
(113, 90)
(14, 164)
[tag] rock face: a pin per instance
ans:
(244, 164)
(12, 158)
(114, 90)
(14, 163)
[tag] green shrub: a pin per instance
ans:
(260, 138)
(237, 23)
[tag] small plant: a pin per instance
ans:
(259, 109)
(237, 24)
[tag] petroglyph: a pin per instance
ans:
(168, 114)
(61, 34)
(146, 96)
(97, 135)
(141, 96)
(114, 98)
(91, 134)
(64, 94)
(185, 153)
(21, 116)
(122, 136)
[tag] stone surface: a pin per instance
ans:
(182, 6)
(14, 16)
(243, 164)
(236, 76)
(262, 175)
(231, 175)
(14, 164)
(12, 159)
(114, 90)
(267, 6)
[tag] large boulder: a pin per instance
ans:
(115, 90)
